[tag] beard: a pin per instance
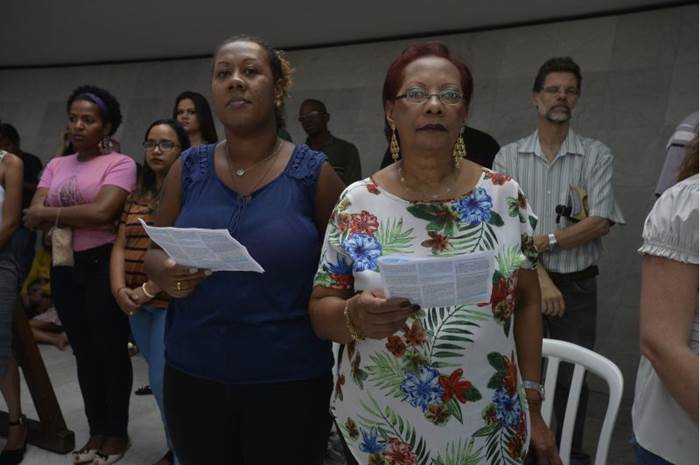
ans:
(558, 114)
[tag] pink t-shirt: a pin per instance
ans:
(73, 182)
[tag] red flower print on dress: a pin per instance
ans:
(502, 301)
(395, 345)
(400, 453)
(415, 335)
(454, 387)
(438, 414)
(339, 387)
(437, 242)
(515, 446)
(516, 442)
(510, 379)
(363, 222)
(351, 428)
(497, 178)
(343, 221)
(372, 188)
(522, 203)
(342, 281)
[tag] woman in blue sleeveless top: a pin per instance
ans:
(247, 381)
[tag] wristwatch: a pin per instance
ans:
(552, 241)
(533, 386)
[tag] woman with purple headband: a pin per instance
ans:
(85, 192)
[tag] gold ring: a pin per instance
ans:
(178, 286)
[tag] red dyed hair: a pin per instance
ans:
(394, 76)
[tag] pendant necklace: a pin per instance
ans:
(240, 172)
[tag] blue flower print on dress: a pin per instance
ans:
(364, 251)
(475, 208)
(508, 408)
(342, 267)
(423, 389)
(370, 442)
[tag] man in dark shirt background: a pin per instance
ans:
(481, 148)
(23, 240)
(342, 155)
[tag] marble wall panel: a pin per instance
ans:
(638, 97)
(142, 112)
(683, 91)
(48, 139)
(647, 39)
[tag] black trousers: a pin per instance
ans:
(98, 332)
(578, 325)
(253, 424)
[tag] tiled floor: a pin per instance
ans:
(145, 429)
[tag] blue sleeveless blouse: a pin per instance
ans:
(245, 327)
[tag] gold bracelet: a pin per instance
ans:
(352, 329)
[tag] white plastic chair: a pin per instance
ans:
(584, 360)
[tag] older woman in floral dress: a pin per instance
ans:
(433, 385)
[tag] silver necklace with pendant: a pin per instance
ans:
(240, 172)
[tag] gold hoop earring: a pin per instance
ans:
(459, 152)
(394, 146)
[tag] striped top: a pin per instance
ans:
(582, 162)
(137, 242)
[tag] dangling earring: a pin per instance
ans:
(459, 152)
(105, 145)
(394, 146)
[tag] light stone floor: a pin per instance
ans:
(146, 432)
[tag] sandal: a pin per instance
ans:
(86, 455)
(15, 456)
(144, 390)
(109, 459)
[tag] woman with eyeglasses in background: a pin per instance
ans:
(193, 113)
(137, 296)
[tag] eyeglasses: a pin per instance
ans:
(311, 115)
(420, 95)
(568, 91)
(188, 111)
(163, 145)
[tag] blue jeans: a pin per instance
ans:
(148, 329)
(645, 457)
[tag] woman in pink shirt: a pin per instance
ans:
(86, 192)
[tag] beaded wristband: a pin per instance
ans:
(352, 329)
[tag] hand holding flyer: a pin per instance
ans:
(439, 281)
(210, 249)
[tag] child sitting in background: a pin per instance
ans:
(45, 324)
(37, 302)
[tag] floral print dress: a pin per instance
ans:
(447, 391)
